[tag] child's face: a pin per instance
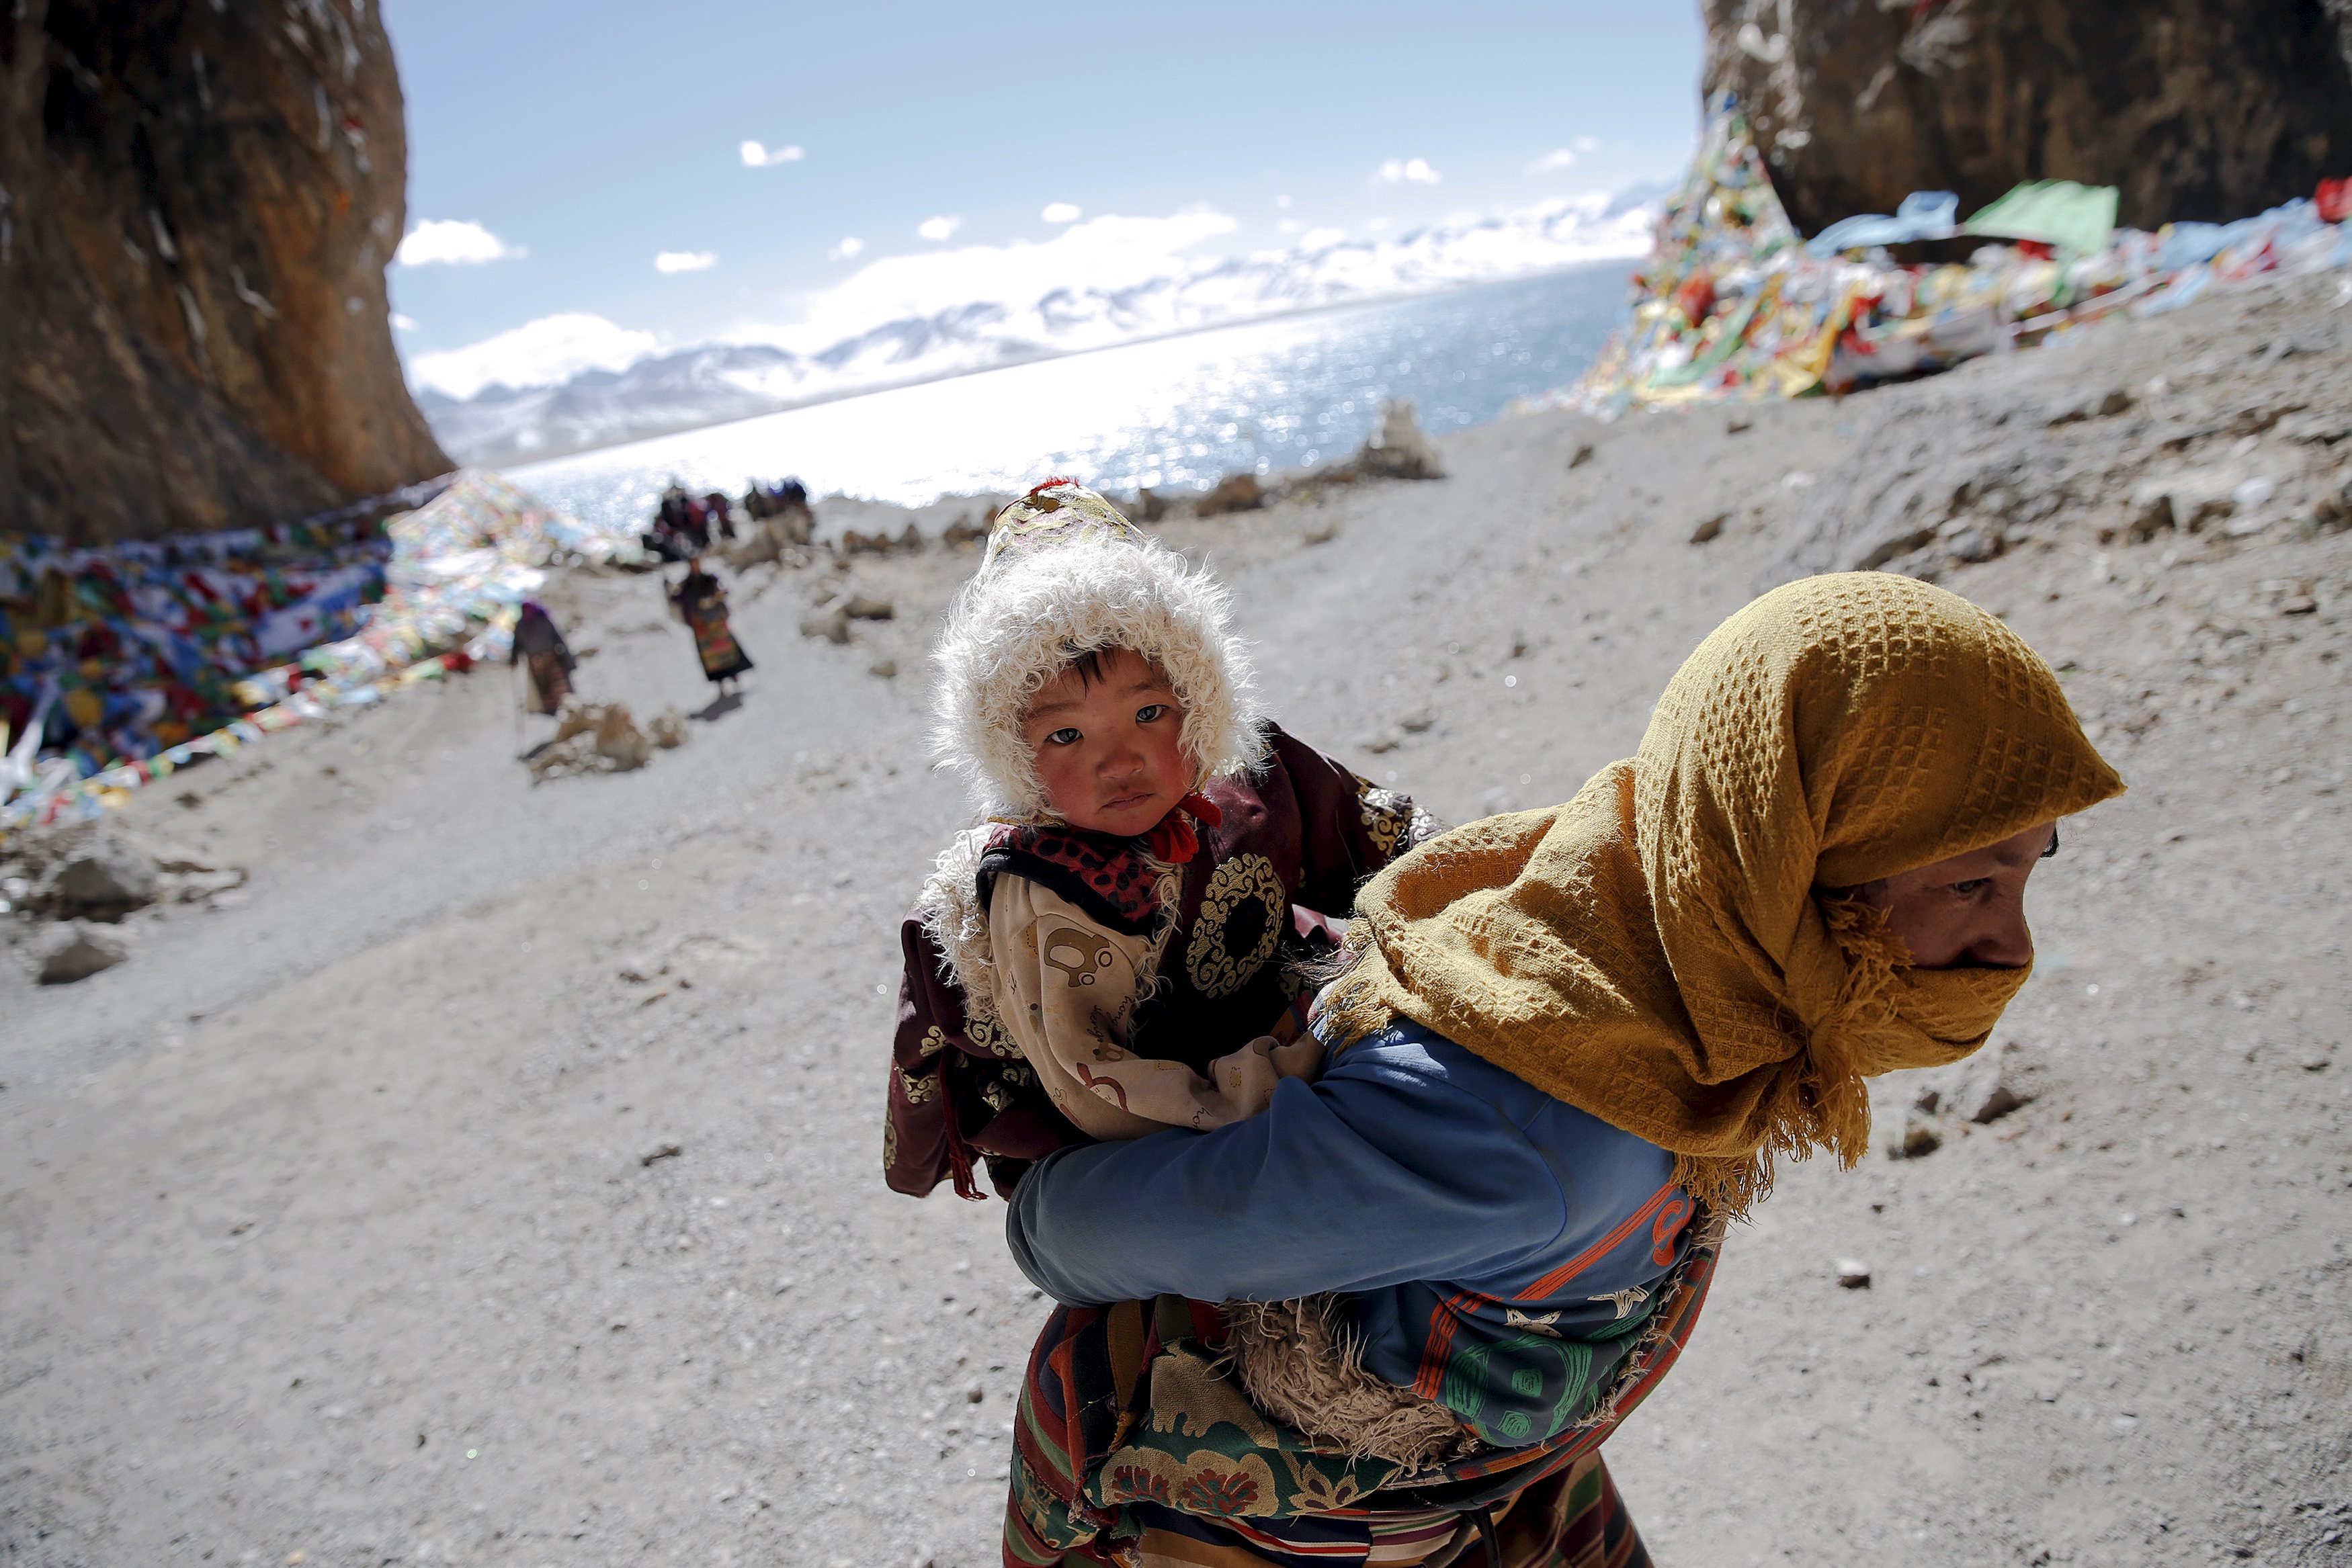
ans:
(1110, 751)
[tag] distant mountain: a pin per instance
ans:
(707, 385)
(716, 383)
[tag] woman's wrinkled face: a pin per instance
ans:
(1967, 911)
(1108, 738)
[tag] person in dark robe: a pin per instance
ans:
(701, 603)
(718, 512)
(546, 659)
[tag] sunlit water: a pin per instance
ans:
(1174, 414)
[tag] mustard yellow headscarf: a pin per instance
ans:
(1655, 952)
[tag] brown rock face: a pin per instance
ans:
(197, 200)
(2195, 108)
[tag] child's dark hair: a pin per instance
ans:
(1087, 662)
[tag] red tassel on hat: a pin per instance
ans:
(1173, 840)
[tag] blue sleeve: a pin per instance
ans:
(1374, 1176)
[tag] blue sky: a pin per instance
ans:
(588, 139)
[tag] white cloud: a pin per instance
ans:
(1557, 159)
(402, 324)
(685, 261)
(451, 240)
(1321, 239)
(1408, 171)
(848, 250)
(758, 157)
(1587, 144)
(543, 353)
(1283, 201)
(1061, 213)
(940, 228)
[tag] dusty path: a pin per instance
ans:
(328, 1223)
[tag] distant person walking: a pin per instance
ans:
(546, 659)
(718, 513)
(681, 527)
(701, 603)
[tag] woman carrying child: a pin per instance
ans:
(1574, 1043)
(1116, 948)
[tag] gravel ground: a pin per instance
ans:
(493, 1179)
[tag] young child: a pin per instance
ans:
(1114, 950)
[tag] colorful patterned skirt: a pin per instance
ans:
(1133, 1448)
(715, 643)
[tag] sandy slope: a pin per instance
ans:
(325, 1224)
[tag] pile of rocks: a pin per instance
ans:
(84, 885)
(603, 737)
(1400, 449)
(837, 607)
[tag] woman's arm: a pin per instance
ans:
(1376, 1174)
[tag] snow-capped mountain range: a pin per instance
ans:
(1114, 291)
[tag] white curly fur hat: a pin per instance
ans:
(1067, 574)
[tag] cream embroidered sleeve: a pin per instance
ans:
(1067, 989)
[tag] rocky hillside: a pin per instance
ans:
(196, 205)
(2196, 108)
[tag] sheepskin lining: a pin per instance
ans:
(1018, 624)
(1300, 1362)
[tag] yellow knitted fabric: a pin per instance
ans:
(1653, 951)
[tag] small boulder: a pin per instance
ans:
(862, 607)
(668, 729)
(79, 952)
(2098, 405)
(760, 543)
(1234, 493)
(1400, 449)
(1583, 455)
(885, 668)
(831, 625)
(1885, 539)
(1919, 1139)
(2290, 596)
(2155, 517)
(1991, 1086)
(1711, 529)
(619, 741)
(108, 880)
(207, 885)
(1974, 543)
(1854, 1274)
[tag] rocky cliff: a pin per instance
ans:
(197, 200)
(2195, 108)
